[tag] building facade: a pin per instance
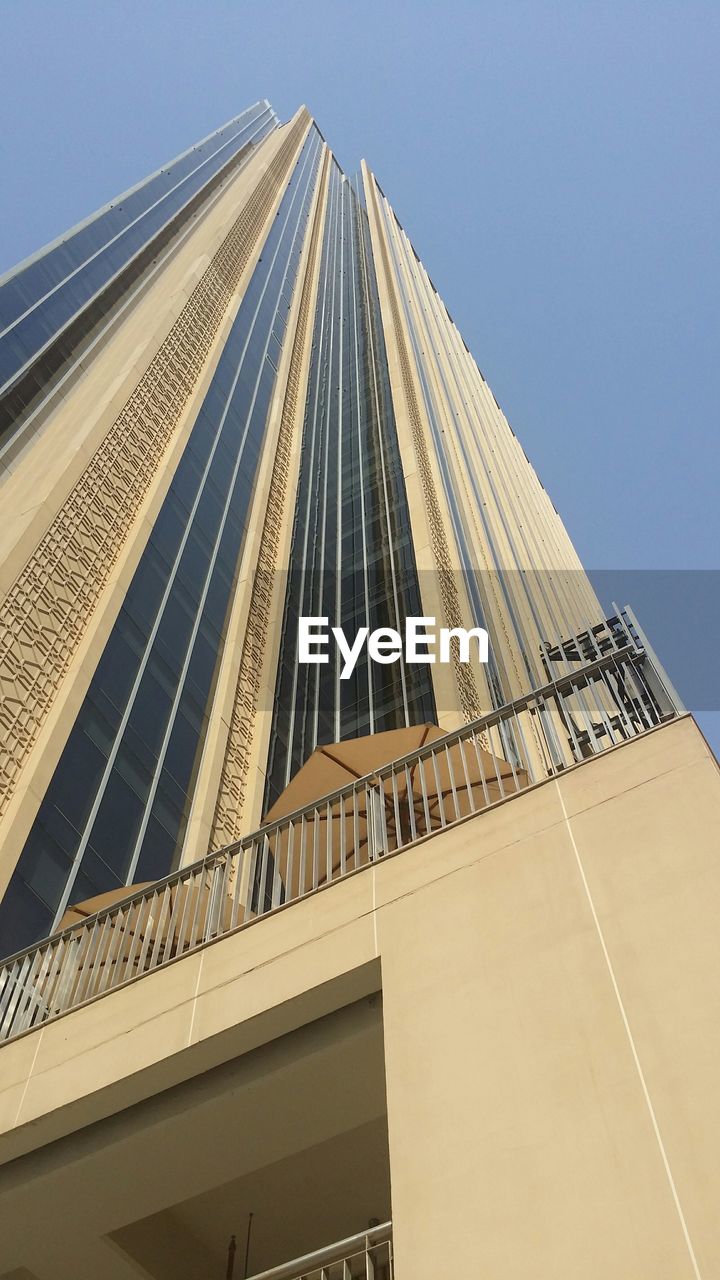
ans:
(336, 442)
(232, 399)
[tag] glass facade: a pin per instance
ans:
(183, 735)
(472, 461)
(352, 557)
(41, 297)
(473, 580)
(116, 808)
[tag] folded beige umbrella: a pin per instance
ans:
(90, 907)
(339, 763)
(338, 834)
(123, 944)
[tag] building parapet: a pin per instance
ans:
(610, 690)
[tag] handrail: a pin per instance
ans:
(611, 699)
(341, 1251)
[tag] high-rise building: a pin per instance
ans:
(235, 414)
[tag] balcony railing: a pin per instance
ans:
(367, 1256)
(609, 689)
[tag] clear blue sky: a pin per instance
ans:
(575, 145)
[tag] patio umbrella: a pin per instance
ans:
(381, 813)
(123, 943)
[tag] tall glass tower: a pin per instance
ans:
(403, 971)
(232, 398)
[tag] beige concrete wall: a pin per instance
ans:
(550, 1045)
(550, 981)
(194, 1148)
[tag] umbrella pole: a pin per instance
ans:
(247, 1247)
(231, 1259)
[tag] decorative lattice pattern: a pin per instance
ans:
(47, 609)
(233, 783)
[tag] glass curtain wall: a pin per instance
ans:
(352, 559)
(522, 591)
(116, 809)
(39, 298)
